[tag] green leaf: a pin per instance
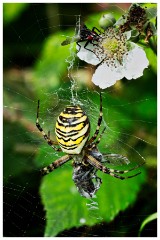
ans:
(52, 64)
(151, 13)
(146, 221)
(12, 11)
(65, 208)
(121, 21)
(151, 105)
(151, 9)
(134, 35)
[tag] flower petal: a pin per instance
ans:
(105, 76)
(86, 55)
(135, 63)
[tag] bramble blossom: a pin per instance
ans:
(115, 56)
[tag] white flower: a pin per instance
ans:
(116, 58)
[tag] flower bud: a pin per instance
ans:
(107, 20)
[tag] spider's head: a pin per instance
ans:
(72, 129)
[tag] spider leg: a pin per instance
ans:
(79, 45)
(55, 164)
(110, 171)
(86, 44)
(98, 124)
(100, 62)
(46, 137)
(52, 142)
(93, 30)
(49, 134)
(94, 144)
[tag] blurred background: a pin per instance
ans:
(36, 66)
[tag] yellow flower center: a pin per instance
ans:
(110, 45)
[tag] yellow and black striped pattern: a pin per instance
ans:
(72, 129)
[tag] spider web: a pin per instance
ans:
(22, 141)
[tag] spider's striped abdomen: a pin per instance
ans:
(72, 129)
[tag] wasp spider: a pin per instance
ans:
(72, 134)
